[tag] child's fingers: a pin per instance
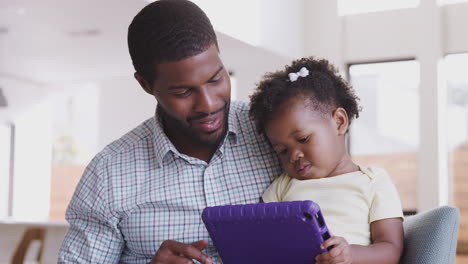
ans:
(336, 251)
(335, 254)
(333, 241)
(331, 255)
(323, 258)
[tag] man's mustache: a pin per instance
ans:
(203, 115)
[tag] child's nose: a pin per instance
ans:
(295, 156)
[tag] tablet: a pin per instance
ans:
(282, 232)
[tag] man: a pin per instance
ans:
(141, 198)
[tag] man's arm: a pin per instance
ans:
(93, 236)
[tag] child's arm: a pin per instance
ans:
(386, 247)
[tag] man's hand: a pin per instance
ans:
(340, 253)
(179, 253)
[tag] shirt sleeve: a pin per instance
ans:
(93, 236)
(274, 192)
(385, 199)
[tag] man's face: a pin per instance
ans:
(193, 97)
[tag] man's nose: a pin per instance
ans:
(206, 102)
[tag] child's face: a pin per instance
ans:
(310, 145)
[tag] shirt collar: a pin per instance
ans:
(162, 144)
(233, 122)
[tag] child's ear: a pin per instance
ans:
(340, 118)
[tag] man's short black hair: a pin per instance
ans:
(166, 31)
(323, 87)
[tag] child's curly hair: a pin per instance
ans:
(325, 89)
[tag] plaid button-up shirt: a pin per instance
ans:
(140, 191)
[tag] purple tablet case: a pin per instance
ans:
(282, 232)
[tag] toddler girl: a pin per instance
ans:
(305, 111)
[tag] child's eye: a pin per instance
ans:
(214, 81)
(282, 152)
(303, 140)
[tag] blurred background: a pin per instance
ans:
(67, 90)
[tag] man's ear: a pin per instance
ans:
(340, 118)
(143, 83)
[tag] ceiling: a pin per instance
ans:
(52, 41)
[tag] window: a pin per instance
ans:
(352, 7)
(457, 132)
(387, 131)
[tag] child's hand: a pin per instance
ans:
(340, 253)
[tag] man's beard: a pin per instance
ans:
(208, 139)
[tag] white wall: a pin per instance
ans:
(123, 105)
(282, 27)
(455, 19)
(20, 95)
(5, 136)
(274, 25)
(32, 162)
(323, 31)
(248, 63)
(381, 35)
(238, 19)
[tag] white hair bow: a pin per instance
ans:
(303, 72)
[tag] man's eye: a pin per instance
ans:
(185, 93)
(303, 140)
